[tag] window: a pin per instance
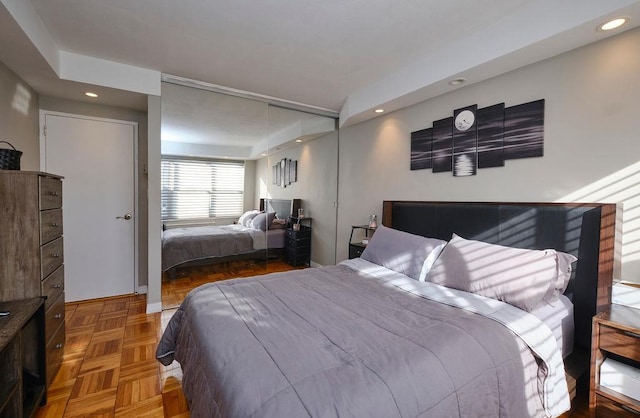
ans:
(199, 188)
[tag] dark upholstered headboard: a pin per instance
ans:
(282, 207)
(586, 230)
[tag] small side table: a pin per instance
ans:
(616, 334)
(298, 248)
(357, 247)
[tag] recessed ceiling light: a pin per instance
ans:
(379, 110)
(298, 140)
(90, 94)
(613, 24)
(457, 81)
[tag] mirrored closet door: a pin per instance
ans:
(225, 155)
(301, 166)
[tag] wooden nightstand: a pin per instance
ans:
(616, 335)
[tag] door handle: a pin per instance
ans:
(126, 217)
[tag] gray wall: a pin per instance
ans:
(20, 125)
(19, 118)
(109, 112)
(316, 186)
(250, 185)
(591, 149)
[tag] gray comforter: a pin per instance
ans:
(333, 342)
(180, 245)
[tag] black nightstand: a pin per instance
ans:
(357, 247)
(616, 335)
(298, 247)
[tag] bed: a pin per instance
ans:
(203, 245)
(378, 336)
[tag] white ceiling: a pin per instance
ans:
(192, 113)
(346, 56)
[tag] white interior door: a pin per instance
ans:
(96, 158)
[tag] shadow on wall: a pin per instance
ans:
(622, 187)
(21, 99)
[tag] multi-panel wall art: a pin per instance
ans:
(285, 172)
(479, 138)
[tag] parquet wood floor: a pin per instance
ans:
(174, 291)
(109, 367)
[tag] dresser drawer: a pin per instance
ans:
(55, 350)
(53, 286)
(298, 251)
(54, 317)
(51, 257)
(617, 341)
(296, 259)
(50, 193)
(355, 251)
(50, 225)
(304, 232)
(298, 243)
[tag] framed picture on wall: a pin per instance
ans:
(421, 149)
(491, 136)
(524, 130)
(442, 145)
(293, 171)
(287, 164)
(480, 138)
(285, 172)
(465, 141)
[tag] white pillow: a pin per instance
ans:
(411, 255)
(262, 220)
(247, 217)
(516, 276)
(563, 262)
(431, 258)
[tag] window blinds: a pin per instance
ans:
(199, 188)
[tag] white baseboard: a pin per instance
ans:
(142, 290)
(314, 264)
(154, 307)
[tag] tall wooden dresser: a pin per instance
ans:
(31, 250)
